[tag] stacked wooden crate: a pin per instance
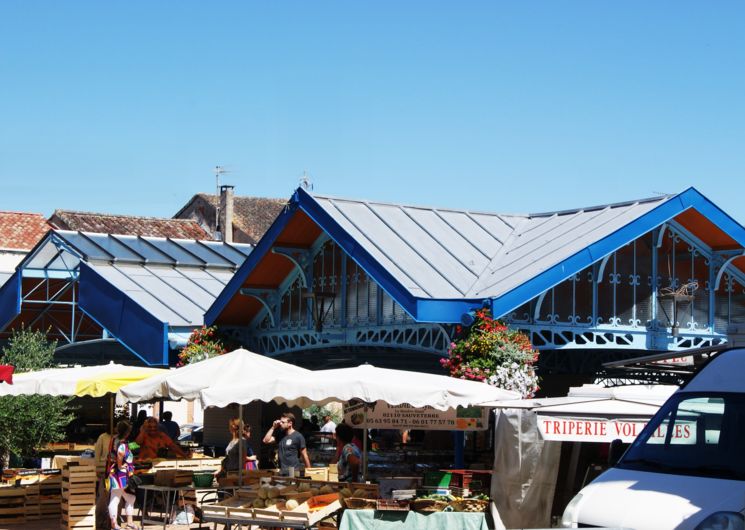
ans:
(29, 481)
(12, 505)
(50, 493)
(79, 496)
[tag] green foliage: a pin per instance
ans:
(28, 350)
(319, 412)
(27, 423)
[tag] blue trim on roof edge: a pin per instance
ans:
(690, 198)
(132, 325)
(10, 308)
(120, 341)
(363, 258)
(262, 247)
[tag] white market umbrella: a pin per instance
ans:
(234, 368)
(365, 382)
(79, 381)
(222, 370)
(94, 381)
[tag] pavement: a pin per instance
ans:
(54, 524)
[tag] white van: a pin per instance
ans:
(686, 469)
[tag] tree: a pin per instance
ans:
(28, 423)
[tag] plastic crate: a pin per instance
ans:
(473, 479)
(437, 479)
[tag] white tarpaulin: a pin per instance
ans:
(233, 368)
(595, 414)
(365, 382)
(524, 476)
(529, 433)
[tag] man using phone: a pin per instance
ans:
(291, 446)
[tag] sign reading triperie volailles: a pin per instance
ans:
(380, 415)
(602, 430)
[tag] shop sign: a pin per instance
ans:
(602, 430)
(381, 415)
(677, 361)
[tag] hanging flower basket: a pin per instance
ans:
(489, 351)
(203, 344)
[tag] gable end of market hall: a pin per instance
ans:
(337, 282)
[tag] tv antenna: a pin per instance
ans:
(305, 181)
(219, 170)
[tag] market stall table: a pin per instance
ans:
(382, 520)
(169, 496)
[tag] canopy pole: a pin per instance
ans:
(364, 446)
(241, 455)
(111, 413)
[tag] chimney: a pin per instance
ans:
(226, 213)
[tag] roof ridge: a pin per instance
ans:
(417, 207)
(79, 212)
(14, 212)
(604, 206)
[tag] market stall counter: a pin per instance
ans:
(401, 520)
(283, 502)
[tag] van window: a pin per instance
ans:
(693, 434)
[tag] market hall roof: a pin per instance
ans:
(439, 263)
(127, 224)
(142, 290)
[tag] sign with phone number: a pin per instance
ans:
(383, 416)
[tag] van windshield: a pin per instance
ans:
(700, 434)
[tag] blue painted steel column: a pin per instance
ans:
(343, 317)
(459, 442)
(712, 293)
(655, 235)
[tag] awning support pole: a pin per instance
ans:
(241, 455)
(364, 447)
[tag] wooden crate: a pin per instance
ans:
(193, 464)
(78, 496)
(173, 477)
(317, 473)
(31, 502)
(12, 505)
(50, 493)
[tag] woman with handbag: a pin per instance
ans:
(119, 470)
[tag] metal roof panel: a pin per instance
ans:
(543, 242)
(398, 246)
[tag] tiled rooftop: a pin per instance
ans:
(21, 231)
(127, 224)
(251, 215)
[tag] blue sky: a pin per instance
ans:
(126, 107)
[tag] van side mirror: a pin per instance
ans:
(615, 452)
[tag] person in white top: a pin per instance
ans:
(328, 425)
